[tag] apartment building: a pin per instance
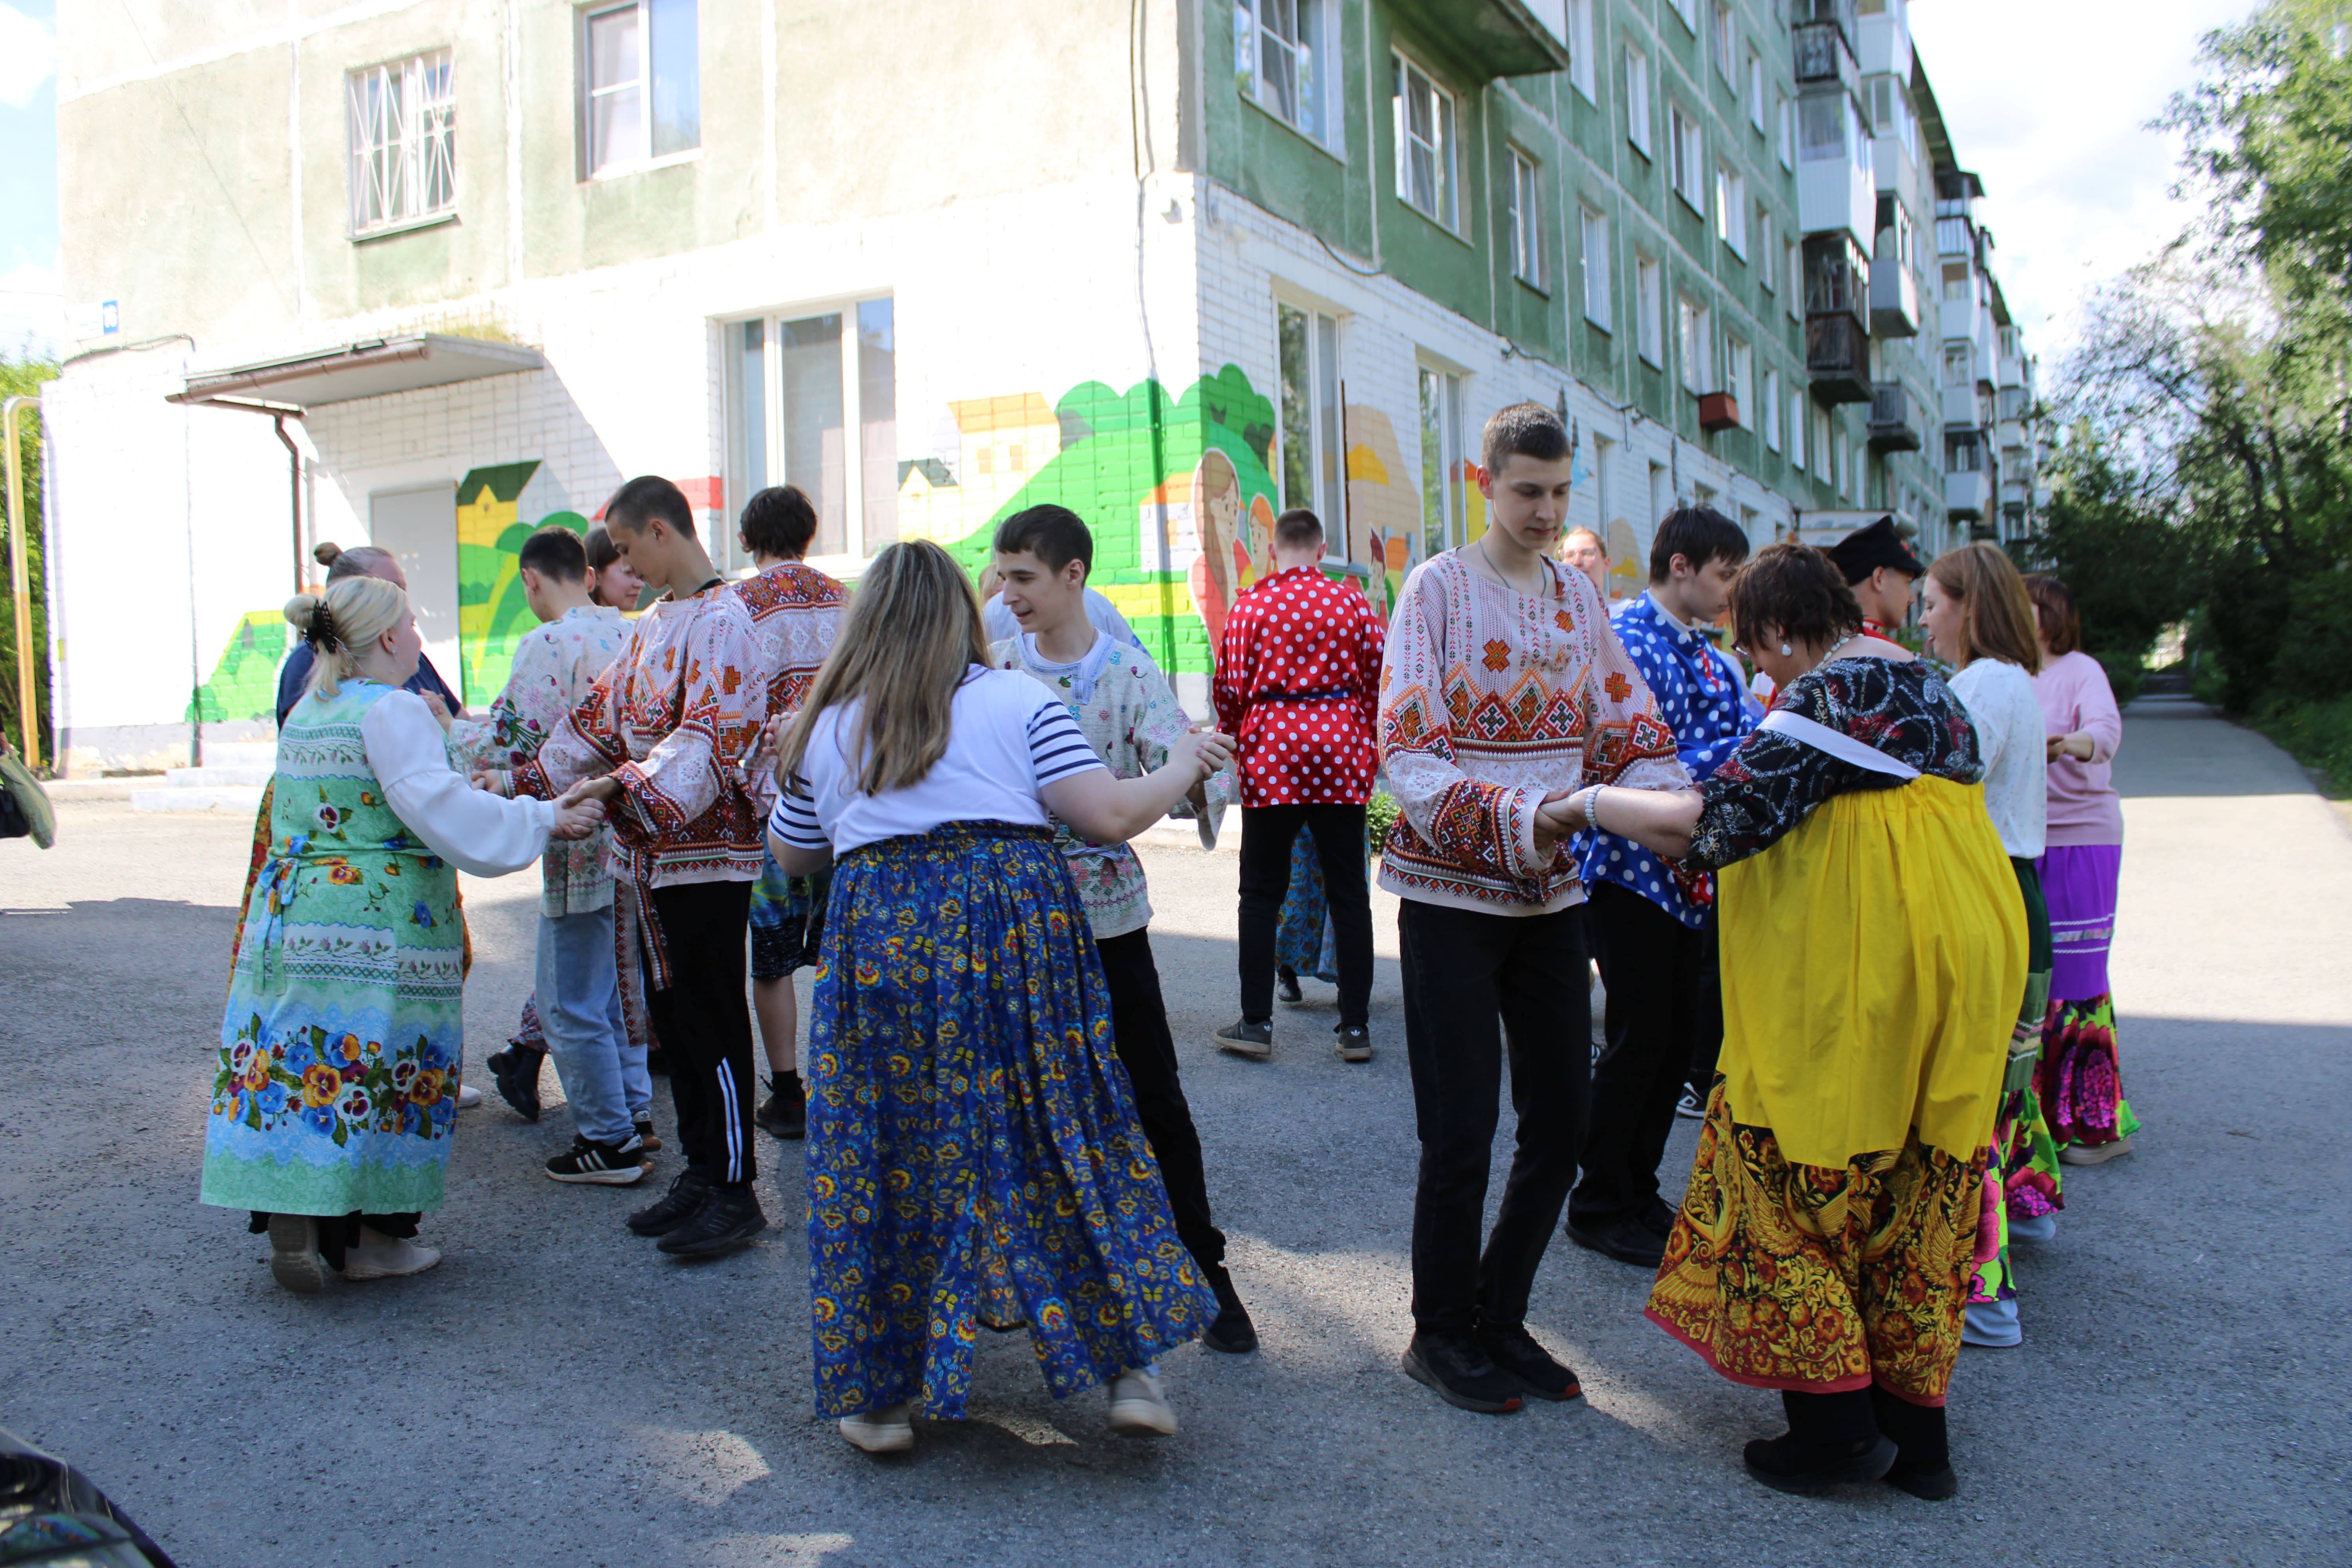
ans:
(433, 274)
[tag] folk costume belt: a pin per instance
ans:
(279, 884)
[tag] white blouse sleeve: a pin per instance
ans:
(472, 829)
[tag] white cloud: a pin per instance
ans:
(32, 312)
(2048, 103)
(29, 55)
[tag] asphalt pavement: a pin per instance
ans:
(557, 1393)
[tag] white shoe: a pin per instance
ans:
(294, 1260)
(1139, 1409)
(2094, 1153)
(381, 1258)
(469, 1097)
(885, 1429)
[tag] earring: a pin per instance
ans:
(1786, 650)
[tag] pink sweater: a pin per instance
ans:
(2083, 807)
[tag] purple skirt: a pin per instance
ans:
(2079, 881)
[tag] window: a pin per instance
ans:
(1308, 466)
(813, 400)
(1821, 127)
(1649, 282)
(1821, 444)
(1526, 223)
(1688, 11)
(1796, 430)
(1731, 210)
(1792, 296)
(1279, 63)
(1763, 238)
(1637, 99)
(1594, 237)
(1771, 410)
(1442, 477)
(1755, 89)
(404, 141)
(1687, 148)
(1959, 365)
(1691, 339)
(642, 93)
(1840, 472)
(1788, 134)
(1722, 40)
(1741, 361)
(1957, 283)
(1581, 50)
(1424, 142)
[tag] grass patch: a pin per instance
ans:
(2316, 734)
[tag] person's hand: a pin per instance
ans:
(492, 780)
(1207, 750)
(2076, 745)
(576, 813)
(1558, 815)
(438, 709)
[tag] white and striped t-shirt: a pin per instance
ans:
(1011, 738)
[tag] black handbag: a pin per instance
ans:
(25, 810)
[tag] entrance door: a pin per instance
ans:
(420, 527)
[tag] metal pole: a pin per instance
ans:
(294, 458)
(17, 583)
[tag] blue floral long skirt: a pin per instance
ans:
(973, 1154)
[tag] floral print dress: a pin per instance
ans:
(337, 1084)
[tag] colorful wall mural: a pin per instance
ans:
(493, 616)
(244, 683)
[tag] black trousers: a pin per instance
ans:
(1148, 1052)
(1475, 985)
(704, 1025)
(1267, 834)
(1659, 975)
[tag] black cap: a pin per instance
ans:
(1866, 550)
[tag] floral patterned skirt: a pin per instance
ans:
(973, 1154)
(2023, 1174)
(1816, 1278)
(2081, 1082)
(1304, 940)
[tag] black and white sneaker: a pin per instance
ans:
(1286, 987)
(1352, 1041)
(516, 1072)
(1690, 1107)
(648, 1136)
(601, 1164)
(1244, 1038)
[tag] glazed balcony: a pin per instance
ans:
(1894, 298)
(1837, 357)
(1894, 418)
(1965, 494)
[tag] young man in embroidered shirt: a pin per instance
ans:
(1503, 687)
(1883, 572)
(1652, 925)
(1297, 684)
(666, 735)
(1124, 707)
(578, 979)
(796, 612)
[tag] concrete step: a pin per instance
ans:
(243, 798)
(213, 777)
(241, 754)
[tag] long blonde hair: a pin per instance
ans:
(1996, 614)
(358, 610)
(913, 631)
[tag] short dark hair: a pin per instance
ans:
(556, 551)
(1698, 534)
(779, 521)
(1522, 430)
(1798, 591)
(1298, 528)
(2061, 621)
(1054, 534)
(646, 497)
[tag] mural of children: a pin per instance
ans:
(1222, 569)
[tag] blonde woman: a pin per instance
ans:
(341, 1046)
(974, 1156)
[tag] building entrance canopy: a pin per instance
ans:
(369, 369)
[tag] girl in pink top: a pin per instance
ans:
(2080, 1081)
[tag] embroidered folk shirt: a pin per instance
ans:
(1491, 700)
(1297, 687)
(796, 614)
(554, 669)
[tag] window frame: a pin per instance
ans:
(1325, 435)
(1788, 138)
(1452, 479)
(1761, 237)
(1316, 100)
(1755, 93)
(1688, 11)
(1650, 289)
(1731, 209)
(1694, 344)
(856, 506)
(1638, 111)
(1445, 118)
(1740, 373)
(1686, 158)
(413, 147)
(1597, 292)
(647, 84)
(1722, 43)
(1769, 402)
(1523, 214)
(1583, 50)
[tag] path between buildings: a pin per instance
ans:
(557, 1394)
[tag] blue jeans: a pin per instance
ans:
(604, 1076)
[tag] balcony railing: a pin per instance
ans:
(1960, 409)
(1824, 55)
(1894, 298)
(1965, 493)
(1894, 418)
(1955, 236)
(1837, 357)
(2013, 438)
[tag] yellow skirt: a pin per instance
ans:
(1872, 961)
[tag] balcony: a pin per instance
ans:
(1885, 44)
(1955, 236)
(1894, 298)
(1965, 494)
(2012, 371)
(1498, 38)
(1837, 357)
(1957, 318)
(2012, 495)
(1960, 409)
(1894, 418)
(1824, 56)
(2013, 441)
(1719, 411)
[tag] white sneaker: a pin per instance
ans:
(469, 1097)
(885, 1429)
(1139, 1409)
(294, 1260)
(381, 1258)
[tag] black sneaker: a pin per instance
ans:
(1624, 1238)
(1792, 1464)
(1515, 1352)
(648, 1136)
(1460, 1373)
(1692, 1105)
(1660, 1217)
(1928, 1486)
(601, 1164)
(1286, 987)
(1352, 1041)
(1232, 1334)
(785, 1110)
(1244, 1038)
(516, 1072)
(686, 1194)
(728, 1218)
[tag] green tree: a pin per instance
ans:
(23, 378)
(2132, 569)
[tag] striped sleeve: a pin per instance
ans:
(1057, 749)
(794, 818)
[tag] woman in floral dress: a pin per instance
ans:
(342, 1045)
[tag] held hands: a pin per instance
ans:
(1560, 815)
(1206, 751)
(2076, 745)
(578, 811)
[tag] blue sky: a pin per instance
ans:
(28, 175)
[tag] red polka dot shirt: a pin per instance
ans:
(1297, 684)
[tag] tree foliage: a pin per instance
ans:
(23, 378)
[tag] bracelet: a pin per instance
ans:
(1592, 808)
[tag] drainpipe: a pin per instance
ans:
(28, 715)
(294, 460)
